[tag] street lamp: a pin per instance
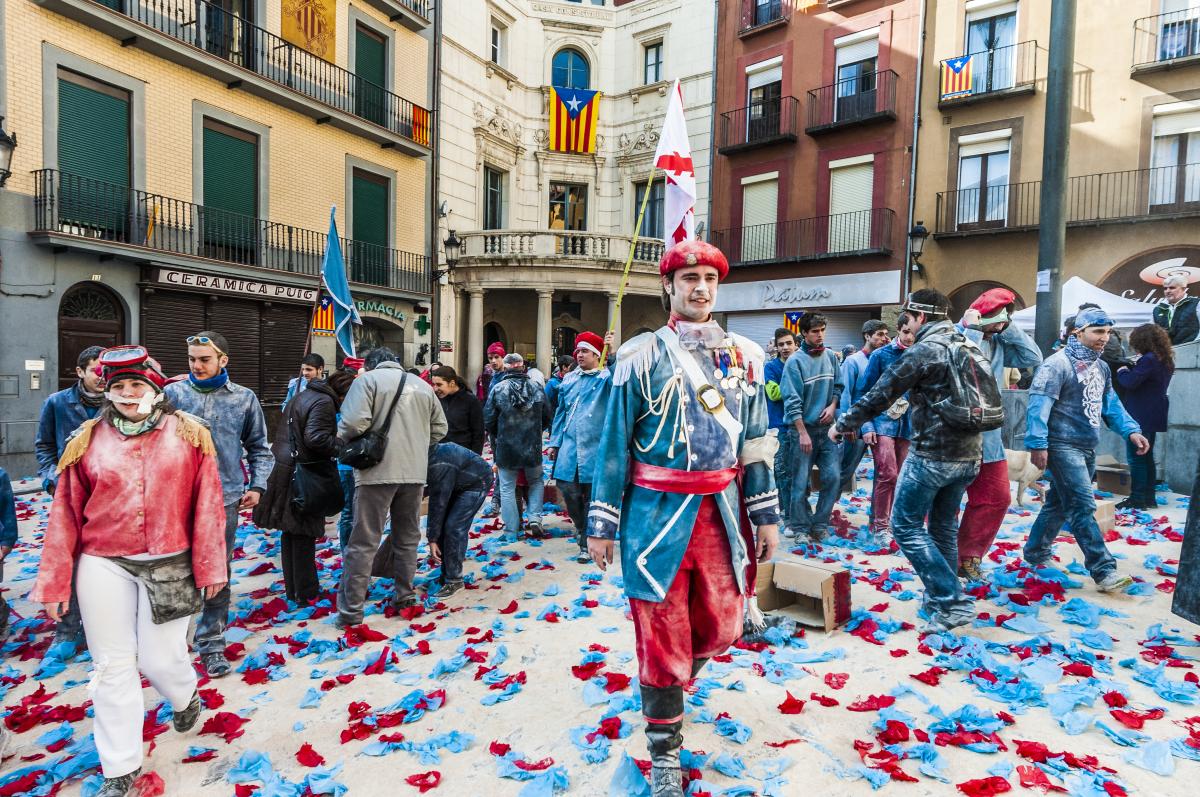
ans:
(453, 247)
(7, 145)
(916, 244)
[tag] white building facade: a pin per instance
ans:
(545, 234)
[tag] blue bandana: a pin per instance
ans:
(209, 385)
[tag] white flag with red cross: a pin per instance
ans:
(674, 157)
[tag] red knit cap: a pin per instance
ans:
(496, 348)
(693, 253)
(992, 300)
(590, 341)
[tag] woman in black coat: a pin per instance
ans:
(464, 413)
(1145, 397)
(308, 434)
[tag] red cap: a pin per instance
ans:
(693, 253)
(590, 341)
(354, 363)
(496, 348)
(992, 300)
(131, 362)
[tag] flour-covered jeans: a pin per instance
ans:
(1070, 500)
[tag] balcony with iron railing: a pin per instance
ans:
(863, 99)
(1166, 41)
(211, 40)
(865, 232)
(1161, 193)
(758, 125)
(759, 15)
(988, 74)
(119, 221)
(563, 247)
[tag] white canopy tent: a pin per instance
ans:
(1128, 313)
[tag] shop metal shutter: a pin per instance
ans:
(844, 328)
(759, 327)
(168, 318)
(760, 212)
(284, 336)
(851, 191)
(238, 321)
(369, 255)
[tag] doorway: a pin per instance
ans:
(88, 315)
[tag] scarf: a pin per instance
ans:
(134, 428)
(89, 400)
(1081, 356)
(209, 385)
(810, 350)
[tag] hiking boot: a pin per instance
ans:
(342, 622)
(943, 623)
(666, 781)
(1131, 503)
(449, 588)
(406, 602)
(185, 720)
(534, 530)
(118, 787)
(215, 664)
(817, 535)
(1114, 582)
(583, 557)
(970, 569)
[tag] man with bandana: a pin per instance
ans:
(1071, 395)
(682, 472)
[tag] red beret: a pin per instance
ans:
(496, 348)
(590, 341)
(992, 300)
(693, 253)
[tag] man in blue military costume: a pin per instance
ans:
(683, 470)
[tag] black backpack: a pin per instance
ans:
(973, 403)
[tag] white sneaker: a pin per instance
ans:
(1114, 582)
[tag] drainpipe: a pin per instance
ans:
(712, 120)
(434, 171)
(916, 134)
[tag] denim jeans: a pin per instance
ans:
(459, 515)
(510, 510)
(346, 519)
(827, 455)
(210, 627)
(852, 454)
(1142, 471)
(934, 489)
(1070, 500)
(783, 468)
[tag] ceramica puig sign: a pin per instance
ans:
(216, 283)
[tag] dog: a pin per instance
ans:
(1022, 471)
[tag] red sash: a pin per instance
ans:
(670, 480)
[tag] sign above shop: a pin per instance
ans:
(234, 285)
(381, 308)
(1141, 276)
(834, 290)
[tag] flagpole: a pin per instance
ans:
(628, 262)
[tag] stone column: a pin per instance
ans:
(614, 320)
(475, 352)
(545, 296)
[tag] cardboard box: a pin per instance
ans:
(1113, 479)
(1106, 515)
(813, 594)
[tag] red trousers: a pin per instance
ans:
(889, 454)
(702, 613)
(988, 498)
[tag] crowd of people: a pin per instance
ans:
(690, 444)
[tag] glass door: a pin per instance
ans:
(856, 90)
(983, 190)
(991, 43)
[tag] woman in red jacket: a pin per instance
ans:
(138, 516)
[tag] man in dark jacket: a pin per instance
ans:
(515, 415)
(1176, 313)
(459, 481)
(944, 461)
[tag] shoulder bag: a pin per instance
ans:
(367, 450)
(316, 487)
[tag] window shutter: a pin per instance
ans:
(760, 212)
(369, 255)
(93, 133)
(851, 190)
(858, 51)
(370, 69)
(230, 172)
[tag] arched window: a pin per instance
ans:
(570, 70)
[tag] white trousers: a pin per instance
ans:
(123, 639)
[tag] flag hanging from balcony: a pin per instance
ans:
(574, 115)
(333, 275)
(791, 321)
(322, 323)
(674, 157)
(956, 77)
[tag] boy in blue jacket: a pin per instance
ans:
(459, 480)
(785, 347)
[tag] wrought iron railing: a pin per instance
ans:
(759, 123)
(817, 238)
(209, 27)
(1166, 37)
(871, 95)
(566, 245)
(987, 72)
(97, 210)
(756, 13)
(1136, 194)
(422, 7)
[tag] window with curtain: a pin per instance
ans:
(1175, 162)
(570, 70)
(991, 43)
(983, 183)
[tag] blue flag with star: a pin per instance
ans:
(333, 274)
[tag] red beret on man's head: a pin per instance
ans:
(992, 300)
(693, 253)
(496, 348)
(590, 341)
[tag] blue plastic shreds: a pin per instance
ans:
(1155, 757)
(877, 778)
(1042, 670)
(738, 791)
(1181, 749)
(1126, 737)
(60, 733)
(312, 698)
(1027, 624)
(729, 765)
(627, 780)
(1097, 639)
(1183, 692)
(595, 751)
(1076, 722)
(1001, 770)
(733, 730)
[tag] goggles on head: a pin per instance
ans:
(123, 356)
(205, 340)
(919, 307)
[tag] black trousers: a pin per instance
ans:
(299, 555)
(577, 496)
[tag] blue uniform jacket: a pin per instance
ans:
(773, 372)
(882, 424)
(1011, 348)
(578, 421)
(8, 513)
(653, 417)
(62, 414)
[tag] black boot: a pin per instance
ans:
(663, 708)
(697, 666)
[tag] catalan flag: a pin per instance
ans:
(791, 321)
(323, 317)
(956, 77)
(574, 116)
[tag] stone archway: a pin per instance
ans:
(89, 314)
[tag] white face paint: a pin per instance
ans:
(133, 398)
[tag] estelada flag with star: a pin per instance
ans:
(322, 323)
(674, 157)
(791, 321)
(574, 116)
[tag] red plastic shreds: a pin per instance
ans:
(1115, 699)
(235, 651)
(1034, 778)
(866, 631)
(872, 703)
(309, 757)
(262, 569)
(211, 699)
(551, 617)
(380, 664)
(836, 680)
(244, 789)
(895, 732)
(412, 612)
(898, 653)
(150, 785)
(255, 676)
(610, 727)
(499, 749)
(784, 743)
(827, 702)
(932, 676)
(985, 787)
(616, 682)
(224, 724)
(1191, 677)
(356, 635)
(1136, 719)
(425, 781)
(921, 735)
(1114, 789)
(22, 785)
(596, 647)
(586, 672)
(423, 647)
(533, 766)
(791, 705)
(206, 755)
(510, 608)
(1078, 668)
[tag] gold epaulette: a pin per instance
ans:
(77, 445)
(192, 429)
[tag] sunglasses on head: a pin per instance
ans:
(204, 340)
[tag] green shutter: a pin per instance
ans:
(93, 156)
(370, 69)
(369, 259)
(230, 196)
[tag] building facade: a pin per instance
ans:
(176, 167)
(545, 233)
(1134, 167)
(814, 137)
